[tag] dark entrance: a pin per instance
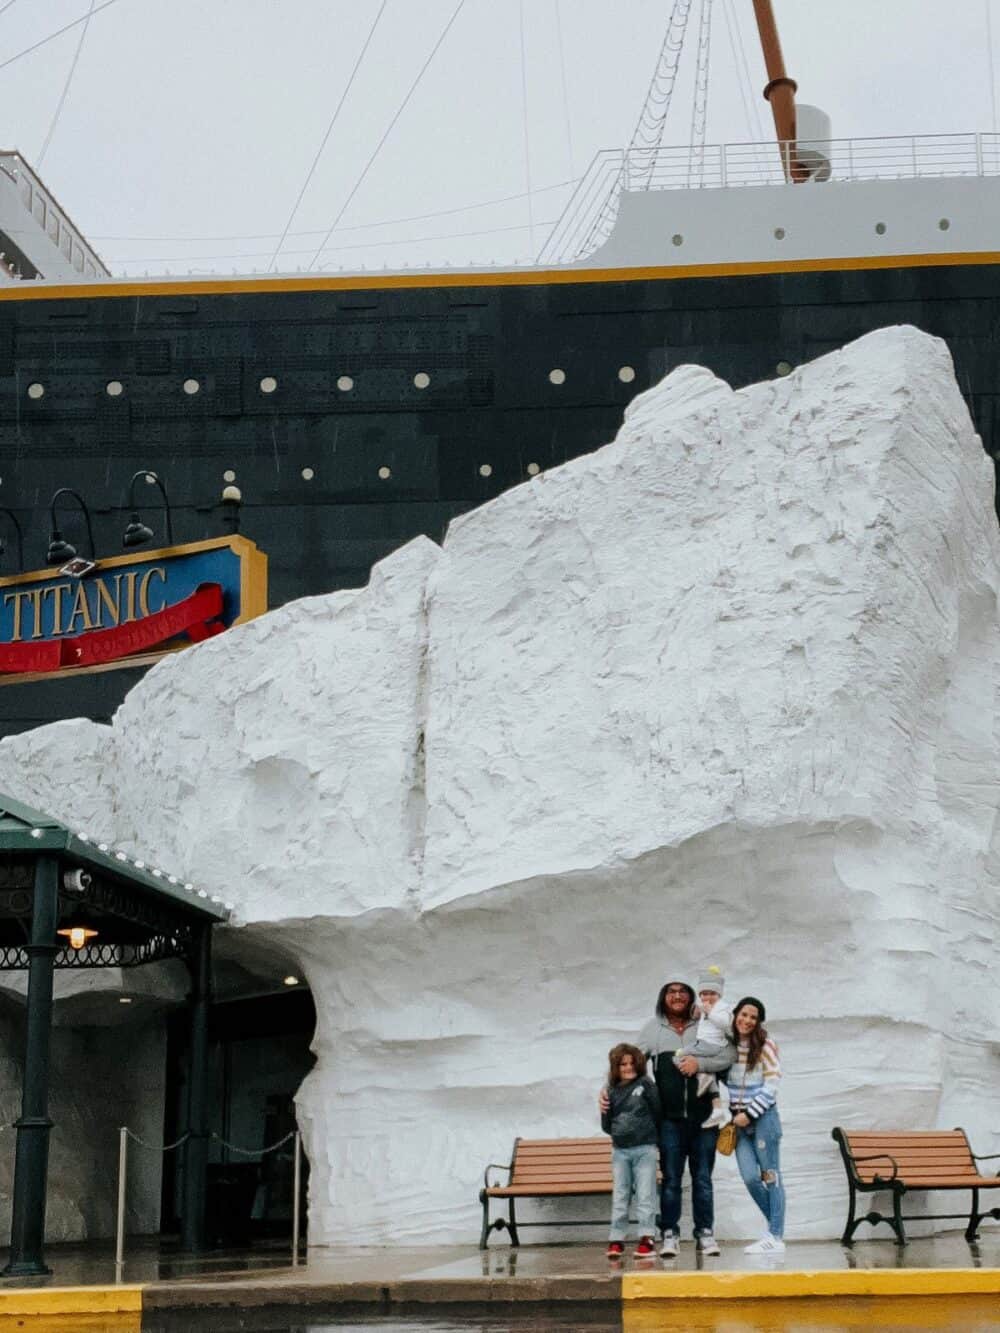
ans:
(258, 1055)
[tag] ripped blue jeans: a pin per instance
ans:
(758, 1155)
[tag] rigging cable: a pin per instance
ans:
(388, 130)
(69, 79)
(84, 18)
(527, 141)
(355, 226)
(699, 108)
(355, 245)
(565, 94)
(640, 156)
(989, 52)
(755, 129)
(329, 131)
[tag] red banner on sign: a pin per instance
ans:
(197, 617)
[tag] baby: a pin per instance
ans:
(715, 1028)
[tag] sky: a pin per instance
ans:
(179, 134)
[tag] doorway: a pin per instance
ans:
(258, 1056)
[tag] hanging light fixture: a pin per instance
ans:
(137, 532)
(78, 936)
(59, 549)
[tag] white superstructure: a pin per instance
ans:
(37, 238)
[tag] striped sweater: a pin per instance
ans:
(754, 1090)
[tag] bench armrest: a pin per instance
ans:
(985, 1156)
(496, 1166)
(879, 1156)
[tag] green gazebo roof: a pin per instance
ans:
(24, 830)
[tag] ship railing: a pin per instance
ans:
(590, 214)
(39, 205)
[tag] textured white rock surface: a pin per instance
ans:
(724, 691)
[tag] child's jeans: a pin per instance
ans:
(633, 1170)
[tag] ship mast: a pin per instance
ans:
(780, 90)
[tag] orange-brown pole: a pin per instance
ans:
(780, 90)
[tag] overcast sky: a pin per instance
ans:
(188, 127)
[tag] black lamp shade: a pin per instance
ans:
(136, 533)
(59, 551)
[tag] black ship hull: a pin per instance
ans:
(354, 415)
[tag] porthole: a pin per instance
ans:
(307, 474)
(879, 228)
(268, 384)
(944, 224)
(626, 374)
(36, 390)
(191, 387)
(557, 376)
(533, 469)
(485, 470)
(783, 368)
(385, 472)
(114, 388)
(779, 233)
(345, 384)
(677, 238)
(421, 380)
(229, 475)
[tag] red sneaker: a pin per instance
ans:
(645, 1248)
(616, 1249)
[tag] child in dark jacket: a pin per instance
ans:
(633, 1121)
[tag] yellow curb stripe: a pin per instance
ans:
(71, 1323)
(16, 1301)
(849, 1282)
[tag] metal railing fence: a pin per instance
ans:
(590, 214)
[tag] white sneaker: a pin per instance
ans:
(708, 1244)
(766, 1245)
(669, 1245)
(719, 1117)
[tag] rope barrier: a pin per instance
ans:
(254, 1152)
(124, 1134)
(157, 1147)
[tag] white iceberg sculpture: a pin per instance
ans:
(723, 691)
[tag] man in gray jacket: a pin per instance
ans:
(682, 1139)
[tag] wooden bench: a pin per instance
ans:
(546, 1169)
(903, 1161)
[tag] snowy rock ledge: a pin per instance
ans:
(723, 691)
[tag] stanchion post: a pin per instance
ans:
(296, 1197)
(120, 1231)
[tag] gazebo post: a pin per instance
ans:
(31, 1163)
(196, 1149)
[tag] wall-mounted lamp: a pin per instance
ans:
(232, 498)
(59, 550)
(77, 935)
(137, 532)
(20, 539)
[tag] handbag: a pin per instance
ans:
(726, 1142)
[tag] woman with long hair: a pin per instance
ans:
(753, 1089)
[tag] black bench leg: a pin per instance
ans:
(972, 1230)
(852, 1225)
(512, 1225)
(484, 1199)
(897, 1216)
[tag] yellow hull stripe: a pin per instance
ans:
(26, 291)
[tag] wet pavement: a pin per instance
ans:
(443, 1289)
